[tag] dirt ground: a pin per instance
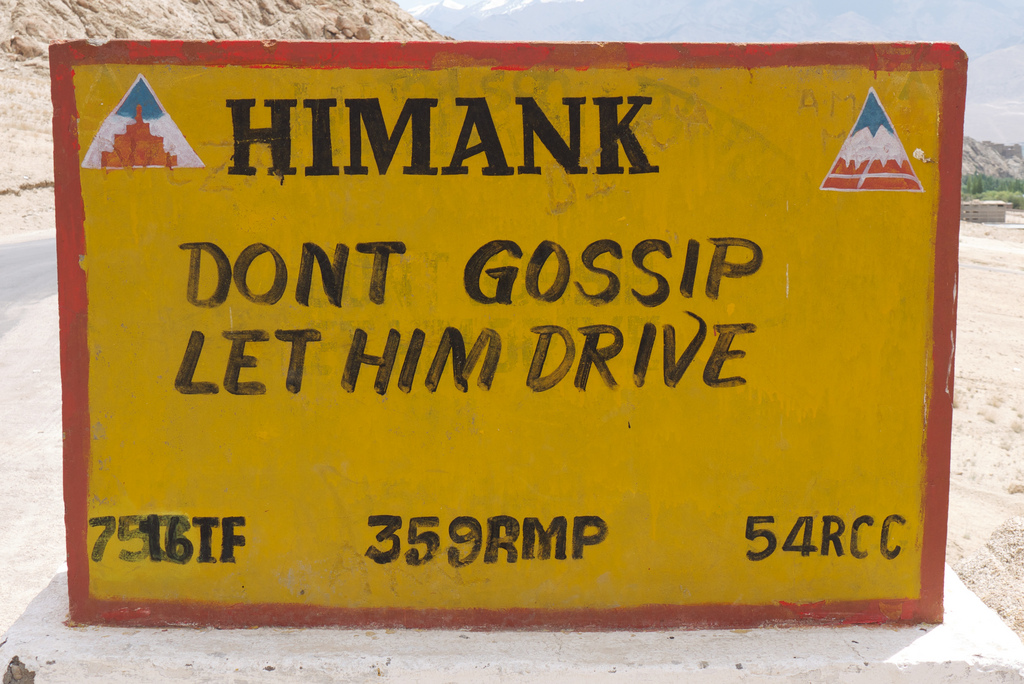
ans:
(988, 419)
(987, 478)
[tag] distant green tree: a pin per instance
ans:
(980, 186)
(1014, 198)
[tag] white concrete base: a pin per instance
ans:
(973, 645)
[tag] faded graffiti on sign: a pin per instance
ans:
(405, 334)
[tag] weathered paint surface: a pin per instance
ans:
(232, 459)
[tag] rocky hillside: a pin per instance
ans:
(992, 159)
(27, 26)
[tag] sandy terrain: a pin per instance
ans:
(988, 418)
(988, 430)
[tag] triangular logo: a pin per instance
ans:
(872, 156)
(140, 134)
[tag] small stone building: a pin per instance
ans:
(984, 211)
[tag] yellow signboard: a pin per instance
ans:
(507, 335)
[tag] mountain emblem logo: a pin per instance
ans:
(140, 134)
(872, 156)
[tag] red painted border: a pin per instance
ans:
(158, 613)
(939, 417)
(513, 56)
(74, 342)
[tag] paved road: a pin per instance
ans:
(28, 274)
(32, 529)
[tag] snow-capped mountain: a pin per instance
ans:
(443, 13)
(872, 156)
(980, 26)
(883, 146)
